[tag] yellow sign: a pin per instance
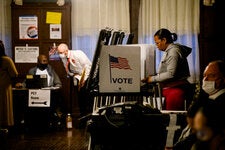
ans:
(29, 76)
(53, 17)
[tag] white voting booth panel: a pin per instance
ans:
(147, 59)
(119, 69)
(123, 66)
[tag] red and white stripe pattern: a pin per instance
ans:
(119, 62)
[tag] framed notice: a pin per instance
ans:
(26, 54)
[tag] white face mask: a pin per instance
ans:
(62, 55)
(209, 87)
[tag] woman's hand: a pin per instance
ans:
(147, 79)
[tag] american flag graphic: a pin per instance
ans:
(119, 62)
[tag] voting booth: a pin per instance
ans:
(123, 66)
(120, 119)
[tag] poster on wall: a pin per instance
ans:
(28, 27)
(26, 54)
(55, 31)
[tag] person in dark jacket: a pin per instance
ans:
(211, 93)
(214, 84)
(214, 80)
(44, 68)
(54, 83)
(208, 128)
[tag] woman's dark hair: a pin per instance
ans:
(213, 115)
(165, 33)
(2, 52)
(198, 101)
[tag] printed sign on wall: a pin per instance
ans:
(26, 54)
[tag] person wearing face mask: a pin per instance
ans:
(77, 66)
(76, 62)
(214, 81)
(208, 128)
(211, 93)
(53, 114)
(44, 68)
(173, 70)
(214, 84)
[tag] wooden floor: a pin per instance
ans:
(63, 139)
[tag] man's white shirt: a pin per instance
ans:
(78, 62)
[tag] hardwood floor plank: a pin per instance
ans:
(74, 139)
